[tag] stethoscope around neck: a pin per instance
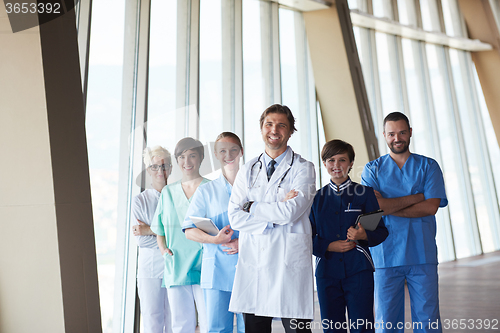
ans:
(260, 168)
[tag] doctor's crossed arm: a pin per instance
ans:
(295, 203)
(289, 211)
(290, 195)
(239, 219)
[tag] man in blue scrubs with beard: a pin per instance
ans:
(410, 189)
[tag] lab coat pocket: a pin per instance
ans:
(298, 250)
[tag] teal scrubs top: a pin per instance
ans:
(184, 267)
(211, 200)
(411, 241)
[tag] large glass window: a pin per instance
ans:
(158, 74)
(288, 57)
(452, 19)
(211, 92)
(257, 70)
(491, 142)
(368, 59)
(389, 78)
(162, 113)
(430, 15)
(461, 209)
(383, 8)
(418, 98)
(297, 84)
(424, 134)
(103, 124)
(192, 54)
(477, 157)
(435, 87)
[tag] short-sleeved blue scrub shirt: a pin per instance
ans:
(411, 241)
(211, 201)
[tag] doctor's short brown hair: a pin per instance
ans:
(335, 147)
(278, 108)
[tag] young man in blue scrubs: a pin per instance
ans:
(410, 189)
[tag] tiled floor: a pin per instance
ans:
(469, 291)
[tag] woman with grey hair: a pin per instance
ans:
(153, 298)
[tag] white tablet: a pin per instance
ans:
(205, 224)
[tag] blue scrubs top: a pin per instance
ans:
(411, 241)
(211, 200)
(334, 210)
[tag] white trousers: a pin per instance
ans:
(155, 309)
(182, 306)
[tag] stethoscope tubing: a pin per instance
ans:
(260, 168)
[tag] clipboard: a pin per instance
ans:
(369, 221)
(205, 224)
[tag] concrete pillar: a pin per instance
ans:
(481, 25)
(339, 82)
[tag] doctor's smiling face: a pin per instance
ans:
(275, 132)
(397, 135)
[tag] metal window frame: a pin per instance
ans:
(83, 12)
(465, 175)
(270, 49)
(307, 95)
(486, 172)
(420, 56)
(395, 28)
(475, 239)
(431, 116)
(188, 68)
(132, 142)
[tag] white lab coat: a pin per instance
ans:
(274, 274)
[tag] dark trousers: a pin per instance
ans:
(354, 293)
(259, 324)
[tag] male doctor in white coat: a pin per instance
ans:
(274, 274)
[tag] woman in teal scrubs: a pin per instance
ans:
(182, 256)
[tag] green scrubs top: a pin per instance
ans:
(184, 267)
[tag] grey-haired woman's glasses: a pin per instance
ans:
(156, 167)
